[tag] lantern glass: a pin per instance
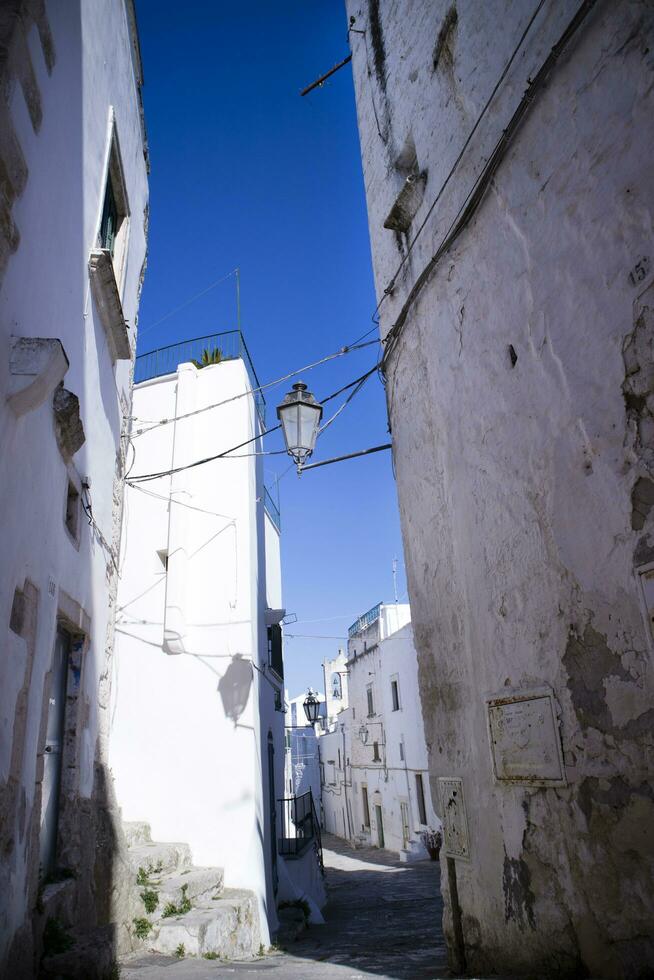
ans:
(311, 707)
(300, 415)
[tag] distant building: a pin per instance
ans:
(507, 158)
(73, 229)
(336, 686)
(197, 740)
(374, 759)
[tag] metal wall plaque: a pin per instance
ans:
(524, 738)
(456, 842)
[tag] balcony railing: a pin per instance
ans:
(363, 622)
(272, 510)
(231, 345)
(300, 826)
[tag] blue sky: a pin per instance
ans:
(246, 173)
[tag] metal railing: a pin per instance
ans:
(300, 825)
(271, 508)
(231, 345)
(364, 621)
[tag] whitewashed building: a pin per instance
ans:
(375, 772)
(507, 162)
(197, 739)
(73, 206)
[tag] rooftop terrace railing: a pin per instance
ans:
(231, 345)
(363, 622)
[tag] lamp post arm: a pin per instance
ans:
(339, 459)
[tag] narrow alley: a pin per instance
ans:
(383, 919)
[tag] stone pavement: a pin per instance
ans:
(383, 920)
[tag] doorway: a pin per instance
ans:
(380, 826)
(406, 834)
(52, 759)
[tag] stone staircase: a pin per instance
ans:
(187, 911)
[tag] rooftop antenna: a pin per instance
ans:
(238, 298)
(395, 579)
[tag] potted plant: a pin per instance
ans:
(433, 841)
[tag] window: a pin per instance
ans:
(112, 234)
(275, 657)
(287, 739)
(110, 219)
(401, 751)
(395, 695)
(339, 758)
(364, 806)
(375, 752)
(422, 812)
(72, 510)
(371, 703)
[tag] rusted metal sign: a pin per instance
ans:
(524, 737)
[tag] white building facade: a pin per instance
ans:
(507, 159)
(73, 158)
(197, 740)
(376, 780)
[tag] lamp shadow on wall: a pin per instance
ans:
(234, 687)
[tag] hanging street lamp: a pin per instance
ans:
(300, 415)
(311, 707)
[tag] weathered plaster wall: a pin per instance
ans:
(519, 395)
(186, 756)
(62, 66)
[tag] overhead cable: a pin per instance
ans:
(250, 391)
(482, 183)
(142, 478)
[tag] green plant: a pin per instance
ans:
(210, 355)
(150, 899)
(180, 951)
(185, 905)
(211, 956)
(142, 928)
(262, 949)
(142, 877)
(55, 938)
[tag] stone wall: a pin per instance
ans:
(69, 85)
(512, 250)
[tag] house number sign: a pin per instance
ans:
(524, 738)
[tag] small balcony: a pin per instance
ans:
(231, 345)
(300, 827)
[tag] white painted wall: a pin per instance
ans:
(335, 674)
(524, 524)
(179, 761)
(388, 655)
(45, 293)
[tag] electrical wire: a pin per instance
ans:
(389, 288)
(188, 302)
(87, 507)
(477, 191)
(155, 423)
(142, 478)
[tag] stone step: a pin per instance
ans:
(160, 859)
(199, 885)
(228, 927)
(137, 832)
